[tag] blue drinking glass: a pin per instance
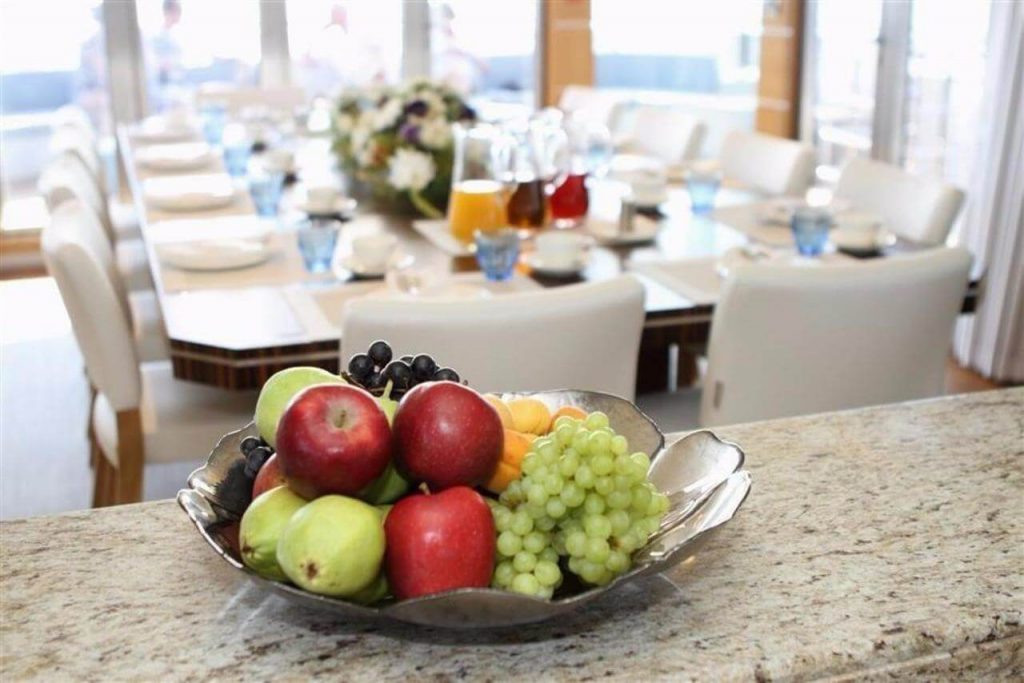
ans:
(265, 188)
(317, 239)
(702, 188)
(213, 117)
(236, 158)
(810, 227)
(497, 252)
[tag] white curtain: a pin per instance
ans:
(992, 341)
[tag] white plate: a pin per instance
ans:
(440, 235)
(343, 206)
(213, 255)
(181, 156)
(606, 232)
(536, 263)
(189, 192)
(159, 129)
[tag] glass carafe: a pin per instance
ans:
(478, 195)
(527, 200)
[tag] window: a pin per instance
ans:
(336, 44)
(845, 49)
(703, 58)
(190, 42)
(487, 50)
(51, 55)
(710, 48)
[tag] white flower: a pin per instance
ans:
(435, 132)
(343, 123)
(361, 132)
(410, 170)
(386, 116)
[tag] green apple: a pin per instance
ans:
(333, 546)
(280, 389)
(387, 488)
(261, 528)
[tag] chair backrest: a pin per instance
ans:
(667, 133)
(97, 318)
(67, 175)
(68, 139)
(585, 103)
(770, 164)
(791, 339)
(918, 209)
(583, 336)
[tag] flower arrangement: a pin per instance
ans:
(398, 142)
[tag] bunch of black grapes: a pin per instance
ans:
(375, 368)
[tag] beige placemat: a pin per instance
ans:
(285, 267)
(747, 218)
(694, 279)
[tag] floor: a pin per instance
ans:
(44, 398)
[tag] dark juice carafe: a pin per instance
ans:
(527, 205)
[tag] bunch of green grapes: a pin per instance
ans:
(582, 495)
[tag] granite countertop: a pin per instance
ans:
(876, 543)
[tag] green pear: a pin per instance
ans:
(279, 390)
(375, 592)
(333, 546)
(387, 488)
(388, 404)
(261, 527)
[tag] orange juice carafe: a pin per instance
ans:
(478, 195)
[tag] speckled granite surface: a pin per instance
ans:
(879, 543)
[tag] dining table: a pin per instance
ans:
(234, 328)
(883, 543)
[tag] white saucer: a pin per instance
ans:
(214, 255)
(843, 239)
(181, 156)
(189, 192)
(351, 264)
(606, 232)
(536, 263)
(343, 206)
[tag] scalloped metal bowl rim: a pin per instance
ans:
(388, 609)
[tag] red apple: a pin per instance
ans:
(446, 434)
(269, 477)
(439, 542)
(332, 438)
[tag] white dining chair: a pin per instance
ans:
(595, 106)
(72, 138)
(917, 209)
(584, 336)
(65, 177)
(665, 133)
(141, 413)
(796, 339)
(140, 308)
(766, 163)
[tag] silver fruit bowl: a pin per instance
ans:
(701, 474)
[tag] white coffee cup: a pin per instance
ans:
(373, 251)
(857, 230)
(282, 160)
(560, 249)
(649, 186)
(321, 198)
